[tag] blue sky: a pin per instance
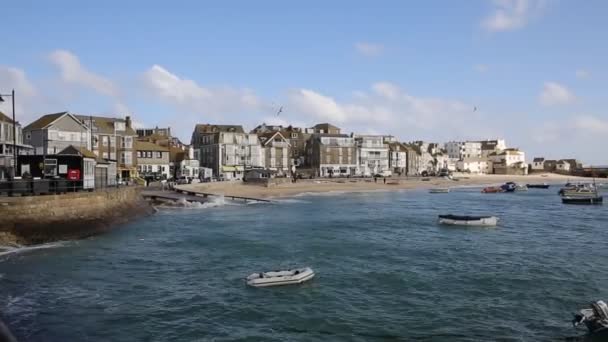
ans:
(414, 69)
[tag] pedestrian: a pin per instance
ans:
(384, 180)
(375, 179)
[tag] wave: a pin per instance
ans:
(182, 203)
(288, 200)
(9, 250)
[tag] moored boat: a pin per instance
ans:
(439, 190)
(509, 186)
(492, 189)
(538, 186)
(521, 187)
(278, 278)
(595, 318)
(462, 220)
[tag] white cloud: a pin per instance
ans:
(190, 96)
(369, 49)
(72, 71)
(555, 94)
(591, 124)
(582, 74)
(387, 108)
(511, 14)
(25, 93)
(482, 68)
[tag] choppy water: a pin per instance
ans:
(386, 271)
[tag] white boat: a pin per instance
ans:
(277, 278)
(521, 187)
(439, 190)
(458, 220)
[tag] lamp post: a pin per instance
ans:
(12, 95)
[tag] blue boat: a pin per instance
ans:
(508, 187)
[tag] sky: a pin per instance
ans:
(528, 71)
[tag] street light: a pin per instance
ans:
(12, 95)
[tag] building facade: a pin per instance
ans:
(7, 143)
(152, 160)
(372, 155)
(113, 139)
(332, 155)
(227, 149)
(276, 152)
(397, 158)
(538, 165)
(52, 133)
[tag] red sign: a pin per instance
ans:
(73, 174)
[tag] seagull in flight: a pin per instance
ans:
(280, 111)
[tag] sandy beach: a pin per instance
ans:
(238, 188)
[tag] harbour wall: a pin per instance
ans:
(39, 219)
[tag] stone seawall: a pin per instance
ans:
(39, 219)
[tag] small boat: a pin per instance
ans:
(521, 187)
(439, 190)
(459, 220)
(278, 278)
(492, 189)
(595, 318)
(509, 186)
(582, 199)
(538, 186)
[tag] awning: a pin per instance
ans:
(228, 168)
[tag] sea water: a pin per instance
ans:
(385, 271)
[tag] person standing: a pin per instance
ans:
(384, 180)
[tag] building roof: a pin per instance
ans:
(79, 151)
(208, 128)
(538, 160)
(326, 125)
(148, 146)
(44, 121)
(265, 138)
(5, 118)
(105, 125)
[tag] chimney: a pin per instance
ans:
(128, 121)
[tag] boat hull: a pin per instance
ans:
(582, 200)
(538, 186)
(486, 221)
(280, 278)
(439, 191)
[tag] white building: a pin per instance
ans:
(227, 149)
(397, 158)
(474, 165)
(492, 146)
(538, 164)
(461, 150)
(562, 166)
(372, 154)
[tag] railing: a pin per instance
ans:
(29, 187)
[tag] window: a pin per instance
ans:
(128, 158)
(138, 154)
(127, 142)
(159, 154)
(148, 154)
(294, 135)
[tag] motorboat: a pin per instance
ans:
(521, 187)
(460, 220)
(278, 278)
(509, 186)
(538, 186)
(492, 189)
(439, 190)
(595, 318)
